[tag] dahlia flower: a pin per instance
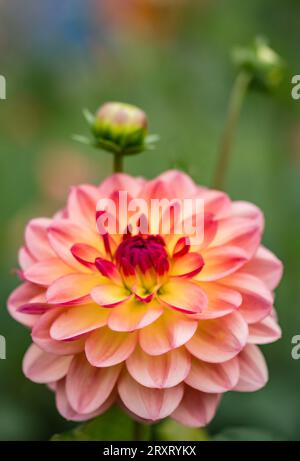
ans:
(155, 322)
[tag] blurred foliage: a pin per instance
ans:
(116, 425)
(244, 435)
(113, 425)
(59, 57)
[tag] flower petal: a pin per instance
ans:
(264, 332)
(89, 387)
(36, 238)
(42, 367)
(160, 371)
(181, 184)
(85, 254)
(253, 370)
(22, 295)
(25, 258)
(47, 271)
(105, 347)
(72, 287)
(82, 205)
(41, 336)
(183, 295)
(221, 262)
(265, 266)
(257, 298)
(213, 377)
(110, 294)
(121, 182)
(221, 301)
(64, 233)
(146, 403)
(133, 315)
(78, 320)
(215, 202)
(243, 228)
(187, 266)
(196, 408)
(170, 331)
(69, 413)
(220, 339)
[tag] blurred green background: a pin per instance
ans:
(172, 58)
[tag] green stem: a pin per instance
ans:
(236, 99)
(153, 436)
(137, 431)
(118, 163)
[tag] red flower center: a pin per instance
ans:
(143, 252)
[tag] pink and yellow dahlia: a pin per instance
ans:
(160, 324)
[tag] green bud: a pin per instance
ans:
(263, 64)
(118, 128)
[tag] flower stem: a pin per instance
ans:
(236, 99)
(153, 433)
(118, 163)
(137, 431)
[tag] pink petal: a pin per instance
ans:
(150, 404)
(196, 408)
(160, 371)
(215, 202)
(69, 413)
(36, 238)
(47, 271)
(64, 233)
(89, 387)
(183, 295)
(109, 270)
(265, 266)
(220, 339)
(82, 205)
(73, 287)
(187, 266)
(42, 367)
(77, 321)
(247, 210)
(181, 184)
(213, 377)
(110, 294)
(105, 347)
(253, 369)
(23, 294)
(220, 262)
(85, 254)
(133, 315)
(121, 182)
(157, 189)
(257, 298)
(210, 229)
(41, 336)
(242, 229)
(25, 258)
(264, 332)
(221, 301)
(170, 331)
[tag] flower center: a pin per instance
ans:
(142, 253)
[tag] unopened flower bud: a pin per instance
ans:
(120, 128)
(263, 64)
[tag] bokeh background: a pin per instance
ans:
(172, 58)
